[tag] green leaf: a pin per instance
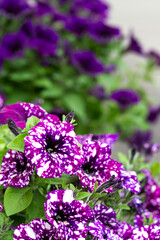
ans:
(140, 176)
(82, 195)
(52, 92)
(36, 208)
(123, 159)
(65, 177)
(31, 122)
(18, 142)
(155, 169)
(17, 199)
(76, 103)
(8, 235)
(123, 207)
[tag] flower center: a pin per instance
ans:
(21, 166)
(60, 217)
(88, 168)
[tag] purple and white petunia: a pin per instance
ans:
(146, 232)
(67, 214)
(20, 112)
(129, 181)
(1, 207)
(15, 170)
(53, 149)
(100, 232)
(97, 166)
(36, 230)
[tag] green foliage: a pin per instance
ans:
(18, 142)
(17, 199)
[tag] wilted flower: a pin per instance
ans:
(134, 46)
(20, 112)
(53, 149)
(67, 214)
(87, 63)
(155, 56)
(125, 97)
(153, 114)
(102, 33)
(98, 92)
(15, 170)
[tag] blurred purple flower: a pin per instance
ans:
(20, 112)
(77, 25)
(134, 46)
(137, 205)
(153, 114)
(13, 45)
(14, 8)
(28, 30)
(43, 8)
(139, 138)
(102, 33)
(125, 97)
(154, 55)
(98, 92)
(87, 63)
(45, 40)
(2, 99)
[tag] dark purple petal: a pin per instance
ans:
(102, 33)
(13, 45)
(67, 214)
(14, 8)
(125, 97)
(155, 56)
(124, 230)
(86, 62)
(153, 114)
(43, 8)
(137, 205)
(77, 25)
(134, 46)
(15, 170)
(98, 92)
(36, 230)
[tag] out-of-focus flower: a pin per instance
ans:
(77, 25)
(14, 8)
(1, 207)
(97, 166)
(67, 214)
(2, 99)
(139, 138)
(134, 46)
(102, 33)
(53, 149)
(45, 40)
(87, 63)
(125, 97)
(43, 8)
(153, 114)
(15, 170)
(137, 205)
(155, 56)
(13, 45)
(28, 30)
(98, 92)
(36, 229)
(20, 112)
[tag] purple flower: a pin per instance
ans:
(124, 230)
(102, 33)
(98, 92)
(53, 149)
(97, 166)
(77, 25)
(99, 230)
(153, 114)
(86, 62)
(15, 170)
(67, 214)
(28, 30)
(150, 149)
(14, 8)
(1, 207)
(106, 215)
(13, 45)
(20, 112)
(155, 56)
(43, 8)
(146, 232)
(137, 205)
(45, 40)
(125, 97)
(139, 219)
(134, 46)
(2, 100)
(129, 181)
(37, 229)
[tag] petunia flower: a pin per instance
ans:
(129, 181)
(137, 205)
(87, 63)
(20, 112)
(97, 166)
(13, 45)
(153, 114)
(53, 149)
(13, 8)
(134, 46)
(125, 97)
(102, 33)
(45, 40)
(67, 214)
(146, 232)
(77, 25)
(98, 92)
(37, 229)
(15, 170)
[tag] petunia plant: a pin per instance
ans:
(65, 55)
(55, 184)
